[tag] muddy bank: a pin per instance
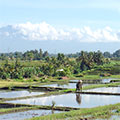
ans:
(22, 115)
(45, 107)
(11, 105)
(99, 93)
(32, 87)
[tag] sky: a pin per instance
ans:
(49, 24)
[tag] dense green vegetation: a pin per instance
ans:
(33, 67)
(34, 64)
(39, 54)
(26, 66)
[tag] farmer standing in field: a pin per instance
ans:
(79, 85)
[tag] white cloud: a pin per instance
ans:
(44, 31)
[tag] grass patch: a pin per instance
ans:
(5, 83)
(115, 76)
(11, 110)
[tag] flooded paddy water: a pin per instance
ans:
(72, 100)
(75, 100)
(14, 94)
(105, 90)
(26, 114)
(87, 81)
(72, 83)
(105, 80)
(108, 80)
(68, 85)
(113, 117)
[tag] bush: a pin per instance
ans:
(16, 75)
(80, 75)
(40, 74)
(115, 70)
(28, 72)
(4, 75)
(105, 74)
(60, 73)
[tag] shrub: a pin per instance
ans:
(105, 74)
(4, 75)
(115, 70)
(80, 75)
(40, 74)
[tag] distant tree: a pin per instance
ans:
(11, 56)
(47, 59)
(85, 62)
(40, 54)
(98, 57)
(45, 54)
(107, 55)
(60, 57)
(18, 55)
(36, 55)
(3, 56)
(116, 53)
(53, 60)
(30, 56)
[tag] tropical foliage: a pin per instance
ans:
(33, 63)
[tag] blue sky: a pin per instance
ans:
(71, 13)
(96, 21)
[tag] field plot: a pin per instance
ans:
(105, 90)
(14, 94)
(68, 85)
(26, 114)
(72, 100)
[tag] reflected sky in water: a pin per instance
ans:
(70, 100)
(69, 85)
(13, 94)
(113, 117)
(105, 89)
(107, 80)
(73, 85)
(26, 114)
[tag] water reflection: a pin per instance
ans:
(78, 98)
(13, 94)
(52, 111)
(26, 114)
(87, 81)
(113, 117)
(68, 85)
(107, 80)
(105, 89)
(69, 100)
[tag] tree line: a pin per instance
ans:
(55, 66)
(106, 54)
(28, 55)
(40, 55)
